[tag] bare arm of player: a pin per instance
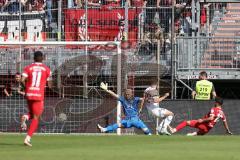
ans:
(50, 81)
(105, 88)
(226, 127)
(159, 99)
(193, 94)
(141, 104)
(214, 94)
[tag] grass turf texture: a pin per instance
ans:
(76, 147)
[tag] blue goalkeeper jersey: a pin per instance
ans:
(130, 108)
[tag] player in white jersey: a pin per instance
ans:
(151, 101)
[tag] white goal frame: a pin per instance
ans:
(61, 43)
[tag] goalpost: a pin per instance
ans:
(75, 64)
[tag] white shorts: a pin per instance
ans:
(156, 111)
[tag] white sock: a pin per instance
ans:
(192, 134)
(28, 138)
(164, 124)
(160, 127)
(167, 120)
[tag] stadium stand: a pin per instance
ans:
(223, 51)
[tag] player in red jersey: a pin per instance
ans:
(205, 124)
(34, 77)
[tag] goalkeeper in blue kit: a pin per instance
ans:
(130, 108)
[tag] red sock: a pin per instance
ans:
(33, 127)
(181, 125)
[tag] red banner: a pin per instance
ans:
(103, 25)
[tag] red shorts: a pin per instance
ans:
(203, 127)
(35, 107)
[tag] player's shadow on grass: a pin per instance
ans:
(11, 144)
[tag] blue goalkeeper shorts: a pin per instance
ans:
(133, 122)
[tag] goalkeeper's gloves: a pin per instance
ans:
(104, 86)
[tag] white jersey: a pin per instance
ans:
(150, 93)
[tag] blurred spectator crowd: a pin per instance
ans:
(13, 7)
(156, 14)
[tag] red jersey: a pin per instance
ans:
(218, 113)
(37, 75)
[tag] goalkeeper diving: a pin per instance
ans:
(130, 105)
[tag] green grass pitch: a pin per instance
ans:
(78, 147)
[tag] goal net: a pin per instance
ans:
(75, 104)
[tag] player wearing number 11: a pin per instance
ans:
(34, 77)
